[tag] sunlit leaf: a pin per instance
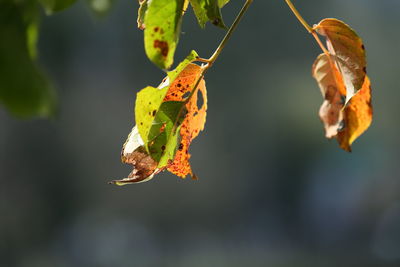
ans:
(166, 122)
(358, 116)
(349, 52)
(343, 122)
(163, 20)
(221, 3)
(208, 10)
(194, 120)
(149, 100)
(163, 137)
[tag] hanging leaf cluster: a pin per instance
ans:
(168, 117)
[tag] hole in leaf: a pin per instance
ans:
(200, 100)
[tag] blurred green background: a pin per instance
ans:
(272, 190)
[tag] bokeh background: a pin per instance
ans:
(272, 190)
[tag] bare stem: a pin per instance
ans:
(308, 27)
(230, 31)
(209, 62)
(316, 37)
(299, 17)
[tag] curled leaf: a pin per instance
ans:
(345, 122)
(358, 116)
(333, 92)
(166, 124)
(149, 100)
(348, 49)
(133, 152)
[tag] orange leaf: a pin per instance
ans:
(194, 120)
(358, 116)
(348, 51)
(344, 122)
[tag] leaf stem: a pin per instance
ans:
(299, 17)
(230, 31)
(220, 47)
(316, 37)
(308, 27)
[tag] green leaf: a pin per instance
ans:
(208, 10)
(164, 138)
(221, 3)
(149, 100)
(24, 90)
(189, 59)
(52, 6)
(163, 21)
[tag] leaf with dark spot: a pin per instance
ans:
(162, 20)
(208, 10)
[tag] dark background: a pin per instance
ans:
(272, 190)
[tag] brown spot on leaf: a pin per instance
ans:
(154, 113)
(156, 29)
(163, 46)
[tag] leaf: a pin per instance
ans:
(133, 152)
(149, 100)
(208, 10)
(343, 122)
(52, 6)
(163, 20)
(24, 90)
(222, 3)
(194, 120)
(164, 138)
(358, 116)
(168, 131)
(348, 49)
(141, 14)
